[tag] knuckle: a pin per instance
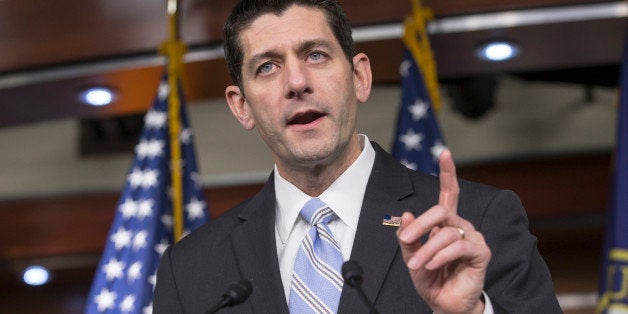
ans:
(480, 237)
(466, 225)
(442, 213)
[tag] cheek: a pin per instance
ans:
(266, 119)
(339, 88)
(260, 104)
(348, 98)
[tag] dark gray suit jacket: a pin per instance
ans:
(195, 272)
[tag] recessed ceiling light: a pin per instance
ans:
(35, 275)
(498, 51)
(97, 96)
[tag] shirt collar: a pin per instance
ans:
(344, 196)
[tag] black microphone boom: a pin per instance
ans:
(236, 294)
(352, 274)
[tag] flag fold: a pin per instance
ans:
(614, 273)
(418, 141)
(143, 222)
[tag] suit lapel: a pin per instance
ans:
(253, 242)
(375, 245)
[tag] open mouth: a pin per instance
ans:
(305, 118)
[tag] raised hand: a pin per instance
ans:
(448, 270)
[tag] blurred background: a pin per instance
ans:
(541, 124)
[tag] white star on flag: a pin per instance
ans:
(135, 177)
(408, 164)
(418, 110)
(404, 67)
(166, 219)
(161, 247)
(155, 119)
(145, 209)
(114, 269)
(152, 279)
(163, 91)
(128, 304)
(155, 148)
(196, 178)
(150, 149)
(128, 208)
(186, 136)
(411, 140)
(134, 272)
(149, 178)
(437, 149)
(141, 149)
(105, 300)
(195, 209)
(121, 238)
(139, 240)
(148, 309)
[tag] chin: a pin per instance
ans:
(312, 159)
(316, 157)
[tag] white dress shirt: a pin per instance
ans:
(344, 196)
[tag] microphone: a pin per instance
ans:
(235, 294)
(352, 274)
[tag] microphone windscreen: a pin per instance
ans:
(239, 292)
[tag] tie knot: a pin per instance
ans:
(316, 211)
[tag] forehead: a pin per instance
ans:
(295, 25)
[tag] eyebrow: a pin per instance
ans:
(252, 63)
(310, 44)
(273, 54)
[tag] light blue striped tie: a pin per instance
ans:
(316, 280)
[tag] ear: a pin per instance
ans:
(362, 77)
(239, 106)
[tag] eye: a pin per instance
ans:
(316, 56)
(265, 68)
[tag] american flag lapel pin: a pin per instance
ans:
(392, 221)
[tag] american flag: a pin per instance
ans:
(391, 221)
(614, 272)
(418, 141)
(143, 222)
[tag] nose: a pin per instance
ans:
(297, 80)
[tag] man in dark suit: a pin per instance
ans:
(461, 247)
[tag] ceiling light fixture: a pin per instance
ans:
(36, 275)
(497, 51)
(97, 96)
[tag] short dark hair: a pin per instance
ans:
(246, 11)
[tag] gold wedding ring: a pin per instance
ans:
(461, 231)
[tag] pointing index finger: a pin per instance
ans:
(449, 189)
